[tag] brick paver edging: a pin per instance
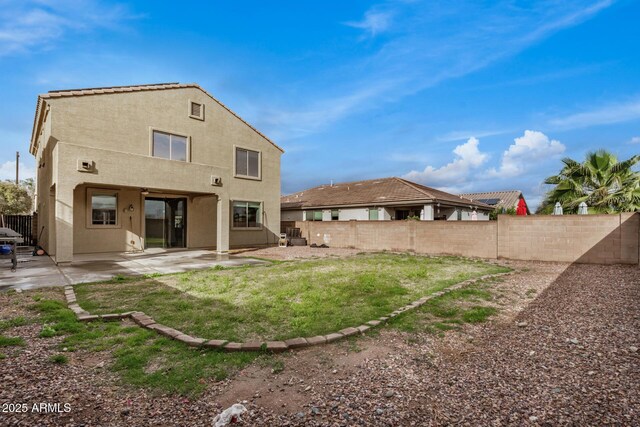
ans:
(273, 346)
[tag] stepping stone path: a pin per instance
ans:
(145, 321)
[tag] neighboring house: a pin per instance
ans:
(379, 199)
(501, 200)
(135, 167)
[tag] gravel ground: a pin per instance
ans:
(562, 351)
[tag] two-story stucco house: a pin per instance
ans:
(136, 167)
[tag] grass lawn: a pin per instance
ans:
(279, 300)
(284, 299)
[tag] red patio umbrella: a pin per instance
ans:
(522, 208)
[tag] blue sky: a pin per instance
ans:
(459, 95)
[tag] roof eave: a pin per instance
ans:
(392, 203)
(37, 123)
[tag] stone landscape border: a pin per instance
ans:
(147, 322)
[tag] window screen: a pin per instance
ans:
(247, 163)
(168, 146)
(241, 162)
(161, 145)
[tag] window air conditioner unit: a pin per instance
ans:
(86, 165)
(216, 180)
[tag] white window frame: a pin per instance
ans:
(261, 215)
(89, 207)
(201, 104)
(152, 130)
(235, 172)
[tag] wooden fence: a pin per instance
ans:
(23, 224)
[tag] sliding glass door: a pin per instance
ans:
(165, 222)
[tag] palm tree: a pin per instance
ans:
(602, 182)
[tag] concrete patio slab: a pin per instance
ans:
(37, 272)
(32, 272)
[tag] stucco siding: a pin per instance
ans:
(361, 214)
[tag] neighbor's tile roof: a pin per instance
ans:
(505, 199)
(370, 192)
(134, 88)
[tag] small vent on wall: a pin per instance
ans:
(196, 110)
(216, 180)
(86, 165)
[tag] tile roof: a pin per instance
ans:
(133, 88)
(506, 199)
(383, 191)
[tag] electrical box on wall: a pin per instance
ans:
(216, 180)
(86, 165)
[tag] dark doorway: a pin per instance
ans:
(165, 222)
(402, 214)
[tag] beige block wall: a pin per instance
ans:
(597, 239)
(472, 239)
(590, 239)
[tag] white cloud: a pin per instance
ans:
(635, 140)
(525, 154)
(457, 174)
(523, 162)
(604, 115)
(459, 135)
(374, 22)
(29, 25)
(8, 171)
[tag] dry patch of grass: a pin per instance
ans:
(471, 304)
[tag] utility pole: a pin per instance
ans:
(17, 167)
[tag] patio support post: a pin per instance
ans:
(427, 213)
(222, 224)
(63, 223)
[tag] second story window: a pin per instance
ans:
(168, 146)
(247, 163)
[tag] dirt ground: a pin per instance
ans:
(563, 350)
(297, 252)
